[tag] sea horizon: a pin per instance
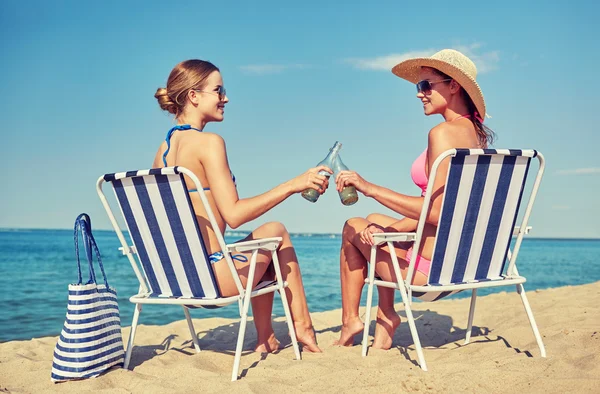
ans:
(292, 233)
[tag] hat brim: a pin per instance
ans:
(410, 69)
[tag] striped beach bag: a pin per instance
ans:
(90, 341)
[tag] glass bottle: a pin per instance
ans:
(348, 195)
(312, 195)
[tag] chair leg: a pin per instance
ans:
(407, 307)
(244, 318)
(471, 313)
(191, 327)
(240, 341)
(367, 318)
(136, 315)
(538, 338)
(415, 336)
(369, 302)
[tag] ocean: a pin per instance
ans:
(36, 266)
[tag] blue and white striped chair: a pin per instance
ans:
(175, 267)
(484, 188)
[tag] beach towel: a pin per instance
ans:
(90, 341)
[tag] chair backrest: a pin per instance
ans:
(483, 193)
(162, 225)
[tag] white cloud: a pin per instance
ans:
(579, 171)
(386, 62)
(485, 61)
(263, 69)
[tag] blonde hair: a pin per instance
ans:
(187, 75)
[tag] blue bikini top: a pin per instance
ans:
(168, 140)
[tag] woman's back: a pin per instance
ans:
(188, 148)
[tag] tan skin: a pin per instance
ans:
(445, 99)
(205, 155)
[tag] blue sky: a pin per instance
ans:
(78, 81)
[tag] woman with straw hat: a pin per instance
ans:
(446, 86)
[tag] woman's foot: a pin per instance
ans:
(387, 322)
(270, 345)
(306, 336)
(349, 330)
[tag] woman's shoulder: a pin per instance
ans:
(205, 138)
(448, 135)
(450, 130)
(204, 144)
(440, 131)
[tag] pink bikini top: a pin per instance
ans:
(418, 174)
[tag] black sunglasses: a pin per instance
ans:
(426, 86)
(219, 92)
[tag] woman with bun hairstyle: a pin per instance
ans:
(195, 95)
(446, 86)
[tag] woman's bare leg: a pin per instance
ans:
(262, 306)
(387, 318)
(290, 271)
(354, 259)
(353, 271)
(262, 310)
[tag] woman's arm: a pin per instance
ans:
(409, 206)
(236, 211)
(404, 225)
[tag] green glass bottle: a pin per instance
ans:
(311, 194)
(348, 195)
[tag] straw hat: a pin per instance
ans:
(452, 63)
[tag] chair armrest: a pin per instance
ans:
(263, 243)
(518, 228)
(393, 237)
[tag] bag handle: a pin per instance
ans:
(83, 223)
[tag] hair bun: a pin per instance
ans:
(165, 101)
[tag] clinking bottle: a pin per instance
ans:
(348, 195)
(311, 194)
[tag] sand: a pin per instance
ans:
(502, 357)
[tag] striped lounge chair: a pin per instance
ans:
(168, 243)
(484, 188)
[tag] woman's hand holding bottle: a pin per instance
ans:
(312, 179)
(348, 195)
(311, 194)
(333, 163)
(351, 178)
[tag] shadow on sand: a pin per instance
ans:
(221, 339)
(435, 331)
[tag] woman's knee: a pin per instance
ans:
(274, 229)
(372, 217)
(352, 227)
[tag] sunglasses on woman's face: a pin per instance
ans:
(219, 92)
(426, 86)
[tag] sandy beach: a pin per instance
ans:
(502, 356)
